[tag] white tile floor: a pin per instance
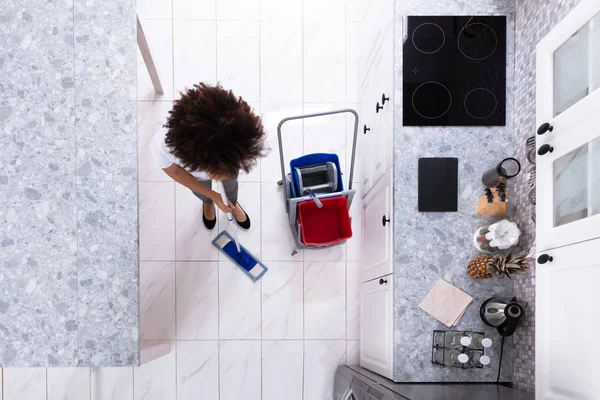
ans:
(231, 339)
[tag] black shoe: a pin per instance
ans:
(208, 223)
(246, 223)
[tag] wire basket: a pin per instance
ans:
(441, 345)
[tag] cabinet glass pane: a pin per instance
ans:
(595, 56)
(571, 186)
(576, 66)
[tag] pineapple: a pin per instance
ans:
(485, 267)
(478, 267)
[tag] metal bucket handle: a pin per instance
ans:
(346, 110)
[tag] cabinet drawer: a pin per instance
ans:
(378, 230)
(377, 325)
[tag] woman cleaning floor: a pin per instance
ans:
(210, 135)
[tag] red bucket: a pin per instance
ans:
(327, 225)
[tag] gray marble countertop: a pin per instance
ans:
(433, 246)
(68, 184)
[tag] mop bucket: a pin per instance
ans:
(315, 199)
(311, 160)
(327, 225)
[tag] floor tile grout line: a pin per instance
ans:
(303, 322)
(244, 340)
(217, 260)
(259, 23)
(161, 100)
(133, 381)
(226, 20)
(172, 53)
(175, 280)
(218, 316)
(216, 46)
(174, 203)
(346, 307)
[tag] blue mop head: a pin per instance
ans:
(246, 261)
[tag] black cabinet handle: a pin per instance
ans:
(544, 258)
(545, 127)
(546, 148)
(366, 129)
(384, 99)
(382, 281)
(378, 107)
(384, 220)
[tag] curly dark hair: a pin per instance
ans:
(212, 130)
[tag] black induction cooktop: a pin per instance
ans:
(454, 71)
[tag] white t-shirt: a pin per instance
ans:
(164, 159)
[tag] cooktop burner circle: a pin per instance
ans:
(428, 38)
(424, 94)
(477, 41)
(480, 103)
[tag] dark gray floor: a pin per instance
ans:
(447, 391)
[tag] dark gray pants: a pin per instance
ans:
(231, 190)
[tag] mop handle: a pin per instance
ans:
(225, 199)
(229, 216)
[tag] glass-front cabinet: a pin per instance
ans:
(568, 134)
(568, 77)
(568, 186)
(576, 70)
(568, 205)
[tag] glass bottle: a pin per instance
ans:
(484, 360)
(485, 343)
(455, 339)
(474, 357)
(479, 341)
(455, 357)
(439, 339)
(438, 355)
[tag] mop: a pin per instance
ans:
(237, 253)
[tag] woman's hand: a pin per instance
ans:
(183, 177)
(218, 200)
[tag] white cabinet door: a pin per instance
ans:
(376, 325)
(367, 133)
(567, 323)
(377, 230)
(364, 154)
(381, 80)
(568, 71)
(387, 118)
(377, 115)
(568, 102)
(568, 187)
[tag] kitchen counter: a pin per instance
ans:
(432, 246)
(68, 184)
